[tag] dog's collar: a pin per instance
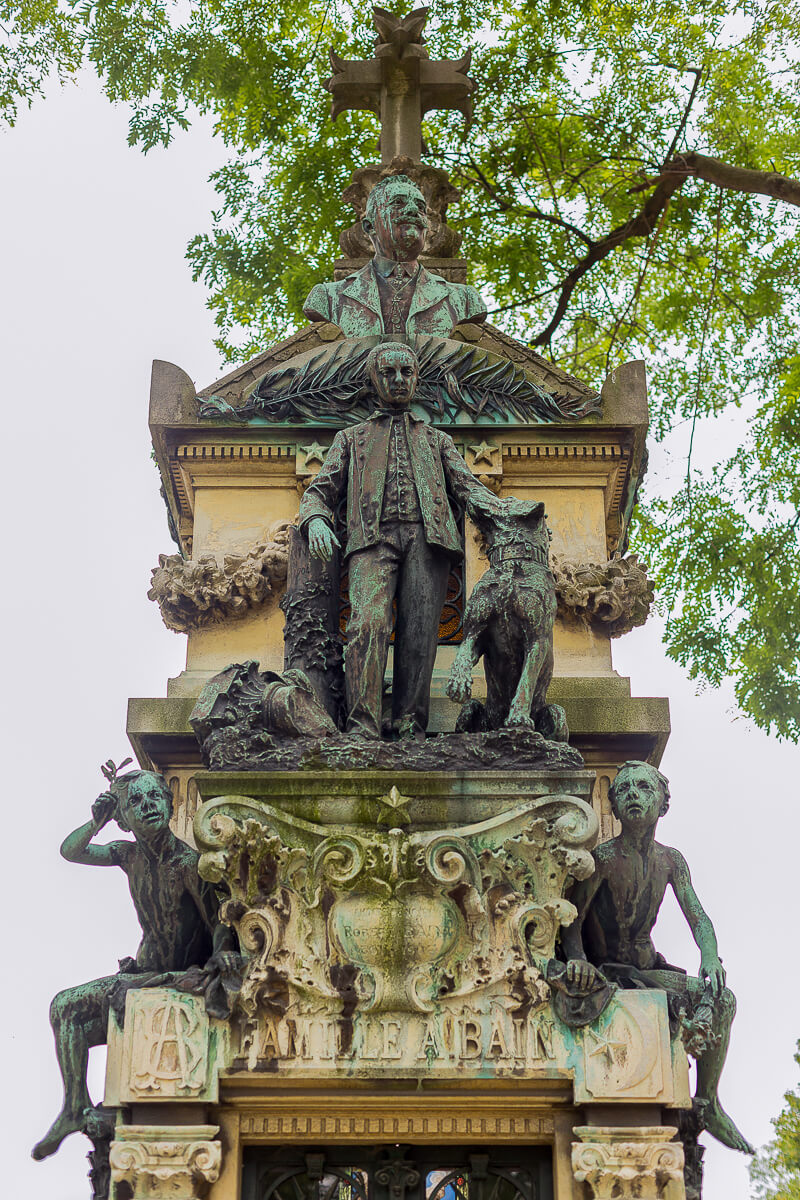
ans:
(518, 552)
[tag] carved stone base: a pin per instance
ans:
(622, 1162)
(160, 1161)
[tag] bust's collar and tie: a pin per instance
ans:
(398, 271)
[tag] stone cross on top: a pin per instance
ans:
(400, 83)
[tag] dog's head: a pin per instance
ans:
(517, 521)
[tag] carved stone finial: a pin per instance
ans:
(401, 83)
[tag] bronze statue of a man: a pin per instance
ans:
(394, 296)
(617, 909)
(177, 911)
(396, 472)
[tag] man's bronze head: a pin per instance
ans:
(396, 220)
(393, 368)
(640, 794)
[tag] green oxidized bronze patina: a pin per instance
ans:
(177, 912)
(611, 937)
(394, 295)
(509, 623)
(330, 387)
(396, 474)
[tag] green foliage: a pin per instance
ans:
(581, 104)
(775, 1171)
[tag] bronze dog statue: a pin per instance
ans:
(509, 623)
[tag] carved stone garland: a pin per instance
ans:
(614, 597)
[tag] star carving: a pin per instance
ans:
(393, 808)
(605, 1045)
(483, 453)
(314, 453)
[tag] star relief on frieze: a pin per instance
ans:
(483, 452)
(394, 809)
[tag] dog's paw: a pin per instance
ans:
(517, 719)
(459, 685)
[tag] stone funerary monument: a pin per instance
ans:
(393, 829)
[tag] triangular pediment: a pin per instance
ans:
(237, 386)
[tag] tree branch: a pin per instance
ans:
(512, 206)
(642, 225)
(698, 74)
(725, 175)
(677, 171)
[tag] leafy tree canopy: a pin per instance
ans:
(775, 1171)
(629, 189)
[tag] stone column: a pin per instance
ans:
(160, 1161)
(626, 1162)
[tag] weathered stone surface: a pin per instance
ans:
(409, 916)
(627, 1163)
(166, 1162)
(615, 596)
(401, 83)
(193, 593)
(429, 799)
(168, 1050)
(407, 947)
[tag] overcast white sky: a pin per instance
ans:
(94, 287)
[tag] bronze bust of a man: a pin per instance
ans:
(394, 296)
(396, 474)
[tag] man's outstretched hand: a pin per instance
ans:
(322, 541)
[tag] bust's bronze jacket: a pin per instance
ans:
(354, 304)
(356, 464)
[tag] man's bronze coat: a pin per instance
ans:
(392, 558)
(354, 305)
(356, 464)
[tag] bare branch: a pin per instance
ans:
(682, 167)
(506, 205)
(642, 225)
(698, 73)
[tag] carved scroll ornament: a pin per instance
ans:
(410, 919)
(162, 1160)
(640, 1162)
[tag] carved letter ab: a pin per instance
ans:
(170, 1054)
